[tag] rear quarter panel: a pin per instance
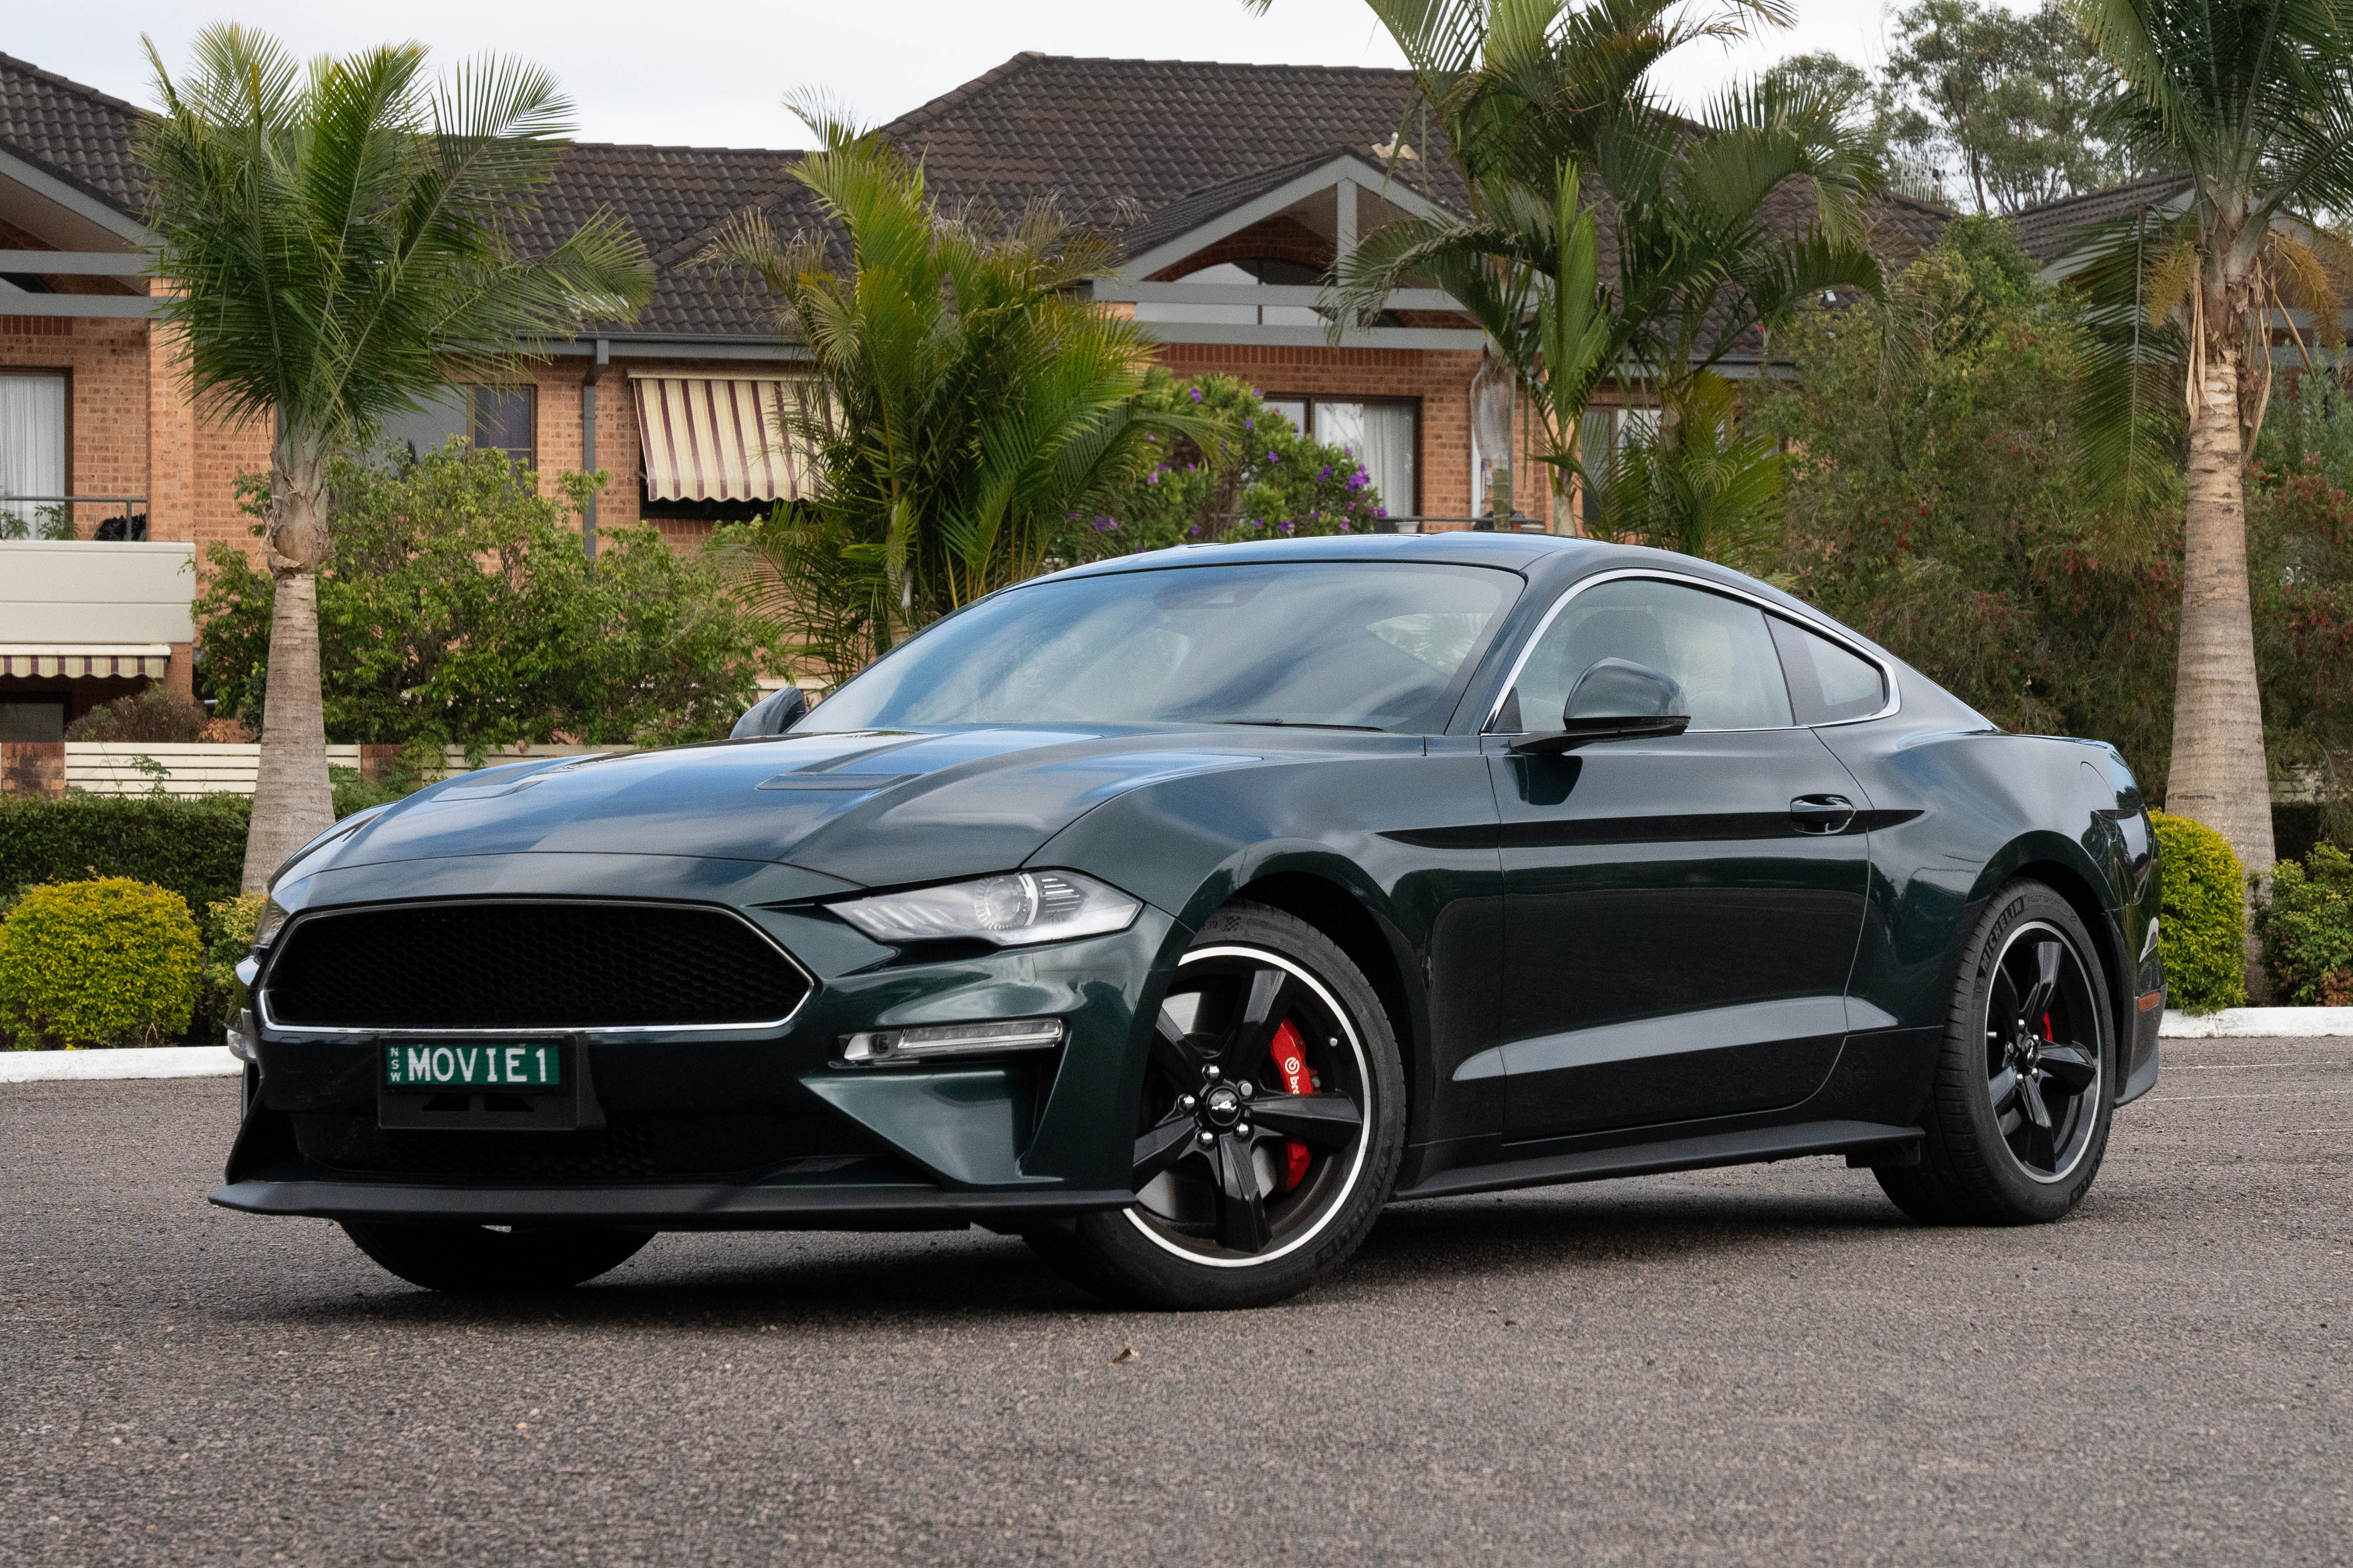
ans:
(1984, 807)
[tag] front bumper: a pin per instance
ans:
(884, 1205)
(751, 1129)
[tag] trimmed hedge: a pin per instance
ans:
(2204, 931)
(108, 962)
(196, 847)
(2306, 921)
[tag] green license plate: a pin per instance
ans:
(481, 1064)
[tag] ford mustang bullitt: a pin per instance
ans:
(1178, 913)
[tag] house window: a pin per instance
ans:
(1384, 434)
(32, 718)
(32, 447)
(1601, 434)
(504, 418)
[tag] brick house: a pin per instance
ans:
(1230, 189)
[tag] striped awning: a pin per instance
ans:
(711, 439)
(77, 661)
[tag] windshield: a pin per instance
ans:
(1353, 644)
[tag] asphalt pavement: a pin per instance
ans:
(1764, 1365)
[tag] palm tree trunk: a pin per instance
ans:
(2219, 776)
(292, 800)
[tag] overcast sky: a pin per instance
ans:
(711, 73)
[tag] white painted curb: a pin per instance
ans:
(2259, 1023)
(162, 1061)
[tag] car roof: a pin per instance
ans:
(1512, 551)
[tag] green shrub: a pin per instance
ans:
(194, 847)
(456, 606)
(2305, 924)
(228, 936)
(2204, 934)
(1278, 482)
(354, 792)
(109, 962)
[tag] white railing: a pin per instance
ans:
(115, 767)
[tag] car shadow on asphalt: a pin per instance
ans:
(1551, 1227)
(943, 1279)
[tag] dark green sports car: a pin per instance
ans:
(1178, 913)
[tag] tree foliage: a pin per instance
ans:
(340, 240)
(457, 607)
(1550, 111)
(1936, 503)
(1999, 109)
(973, 400)
(2300, 572)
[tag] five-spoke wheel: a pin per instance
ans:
(2017, 1117)
(1268, 1130)
(1253, 1109)
(2042, 1081)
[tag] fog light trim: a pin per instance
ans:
(928, 1042)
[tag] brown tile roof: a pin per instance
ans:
(670, 196)
(1105, 136)
(76, 132)
(1140, 149)
(2046, 232)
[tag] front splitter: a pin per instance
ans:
(684, 1206)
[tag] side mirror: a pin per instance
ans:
(1614, 699)
(772, 715)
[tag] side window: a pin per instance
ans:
(505, 417)
(1717, 650)
(1827, 683)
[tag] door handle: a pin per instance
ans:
(1822, 813)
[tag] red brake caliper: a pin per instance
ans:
(1289, 1059)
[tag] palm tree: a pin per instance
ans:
(1548, 111)
(337, 240)
(971, 401)
(2253, 100)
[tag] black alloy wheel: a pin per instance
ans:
(1267, 1132)
(2044, 1084)
(2018, 1119)
(1253, 1109)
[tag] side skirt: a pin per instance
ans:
(1751, 1146)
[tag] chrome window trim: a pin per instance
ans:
(1680, 579)
(624, 1031)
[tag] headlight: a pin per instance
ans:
(267, 927)
(1011, 910)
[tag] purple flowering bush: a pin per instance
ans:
(1273, 482)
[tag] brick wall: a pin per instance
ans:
(105, 365)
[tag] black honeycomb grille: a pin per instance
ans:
(529, 965)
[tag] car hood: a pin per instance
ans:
(875, 808)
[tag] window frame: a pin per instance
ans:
(1823, 629)
(473, 417)
(66, 374)
(1409, 400)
